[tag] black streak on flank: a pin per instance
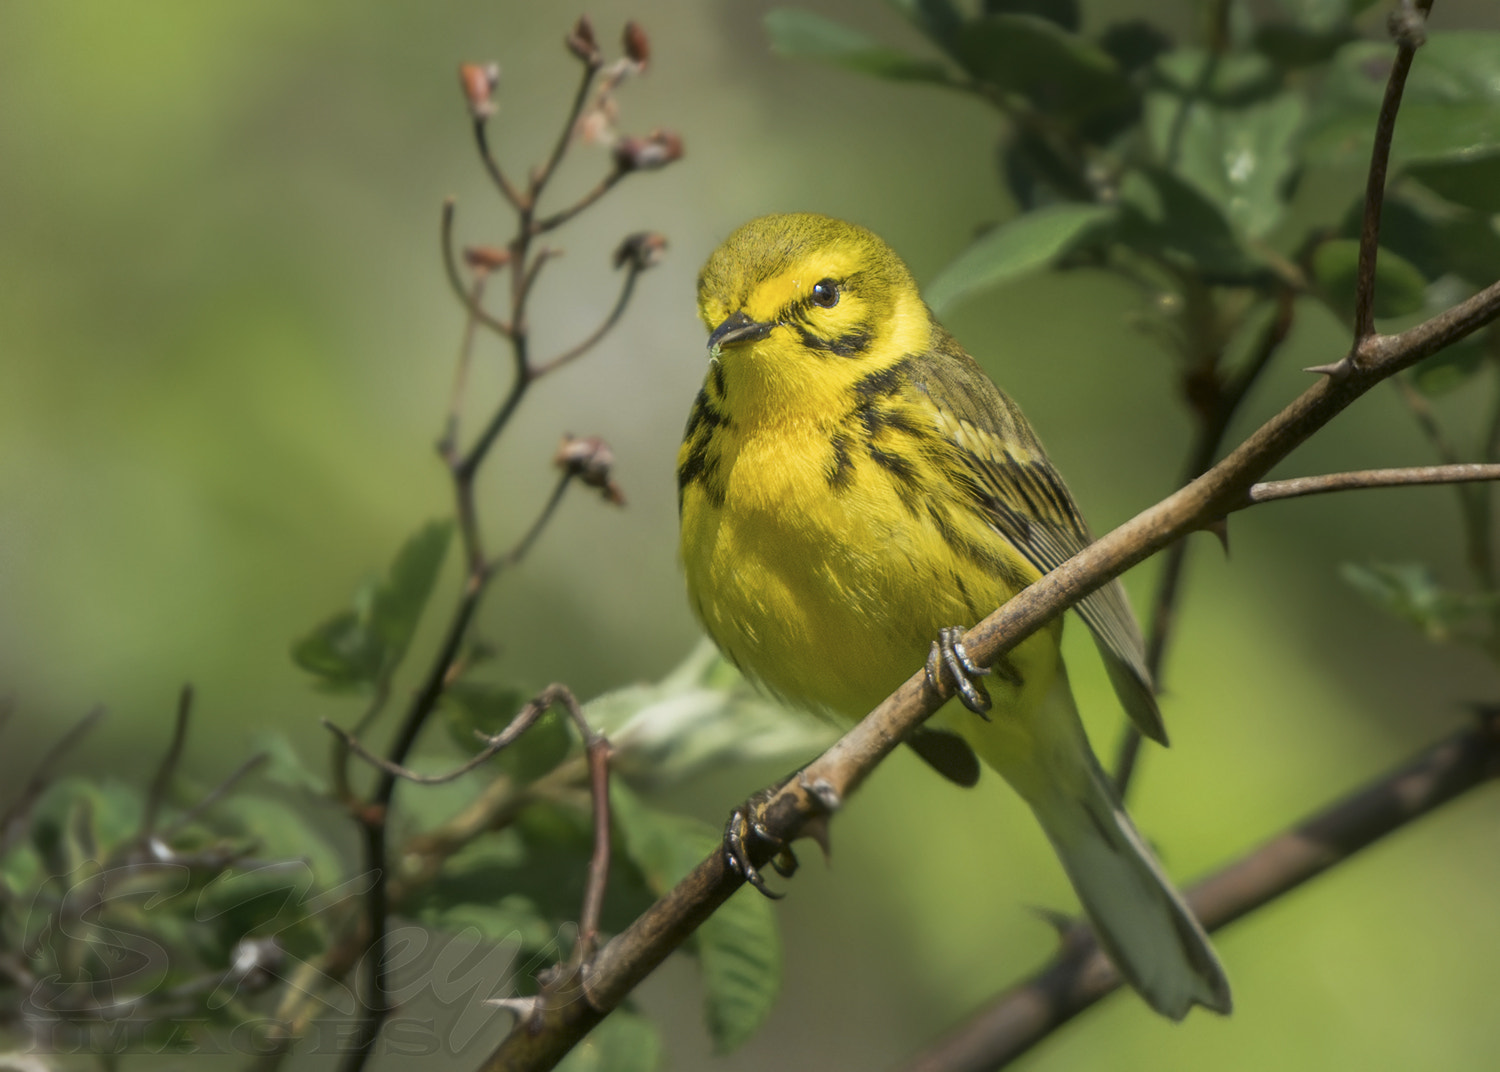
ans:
(876, 420)
(840, 469)
(894, 464)
(700, 467)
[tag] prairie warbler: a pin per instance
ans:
(852, 486)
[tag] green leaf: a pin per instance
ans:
(1060, 72)
(1450, 109)
(502, 918)
(1410, 592)
(341, 652)
(281, 831)
(798, 34)
(1134, 43)
(1171, 218)
(1015, 248)
(1399, 287)
(624, 1042)
(284, 764)
(1239, 158)
(1473, 182)
(1451, 368)
(473, 708)
(1062, 12)
(1204, 77)
(938, 19)
(701, 717)
(738, 945)
(399, 602)
(360, 647)
(740, 951)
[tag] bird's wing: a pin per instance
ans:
(1026, 501)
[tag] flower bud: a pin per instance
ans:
(589, 459)
(641, 250)
(637, 45)
(658, 150)
(582, 44)
(486, 258)
(478, 81)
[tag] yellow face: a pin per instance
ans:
(800, 306)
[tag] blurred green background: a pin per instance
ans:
(225, 350)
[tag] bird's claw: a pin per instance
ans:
(743, 832)
(948, 654)
(746, 832)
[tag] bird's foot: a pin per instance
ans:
(948, 654)
(746, 834)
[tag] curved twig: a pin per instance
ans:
(551, 365)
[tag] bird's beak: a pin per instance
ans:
(737, 327)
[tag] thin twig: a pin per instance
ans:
(448, 444)
(492, 166)
(455, 278)
(214, 795)
(1463, 473)
(1421, 411)
(523, 721)
(562, 216)
(13, 819)
(159, 784)
(540, 177)
(1081, 974)
(525, 543)
(1407, 28)
(631, 271)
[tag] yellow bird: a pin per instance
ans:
(851, 487)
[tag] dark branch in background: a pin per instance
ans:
(16, 817)
(583, 460)
(1218, 402)
(1081, 974)
(168, 766)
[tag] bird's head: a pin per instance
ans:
(800, 306)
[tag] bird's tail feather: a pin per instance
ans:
(1142, 923)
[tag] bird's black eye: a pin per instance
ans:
(825, 293)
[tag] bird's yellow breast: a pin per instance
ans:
(822, 577)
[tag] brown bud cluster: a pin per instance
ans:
(637, 45)
(581, 43)
(486, 258)
(641, 250)
(478, 81)
(657, 150)
(589, 459)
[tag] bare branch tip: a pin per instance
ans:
(1408, 23)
